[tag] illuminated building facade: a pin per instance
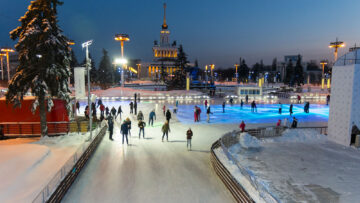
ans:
(164, 54)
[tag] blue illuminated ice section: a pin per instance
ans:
(266, 113)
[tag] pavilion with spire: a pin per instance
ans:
(164, 53)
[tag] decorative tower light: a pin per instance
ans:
(7, 50)
(122, 38)
(336, 45)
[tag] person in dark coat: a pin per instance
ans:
(294, 123)
(327, 99)
(99, 103)
(124, 131)
(247, 99)
(152, 115)
(223, 106)
(119, 112)
(110, 126)
(231, 101)
(291, 109)
(241, 104)
(107, 112)
(135, 107)
(78, 106)
(208, 112)
(141, 126)
(140, 116)
(135, 95)
(131, 107)
(189, 135)
(168, 116)
(93, 109)
(280, 108)
(113, 111)
(86, 112)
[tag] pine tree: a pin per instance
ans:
(299, 73)
(196, 64)
(289, 79)
(243, 71)
(106, 72)
(179, 79)
(274, 64)
(73, 63)
(44, 58)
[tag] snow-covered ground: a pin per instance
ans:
(300, 166)
(28, 164)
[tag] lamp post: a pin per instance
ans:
(236, 71)
(86, 46)
(122, 38)
(212, 67)
(2, 65)
(323, 63)
(336, 45)
(7, 50)
(138, 69)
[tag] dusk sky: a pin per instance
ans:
(211, 31)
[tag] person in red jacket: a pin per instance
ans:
(278, 124)
(102, 109)
(195, 114)
(242, 126)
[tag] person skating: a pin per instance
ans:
(165, 129)
(168, 116)
(78, 106)
(124, 131)
(247, 99)
(131, 107)
(113, 111)
(141, 126)
(327, 99)
(99, 103)
(164, 109)
(223, 106)
(102, 110)
(299, 99)
(86, 112)
(241, 104)
(280, 108)
(206, 103)
(189, 135)
(93, 109)
(231, 101)
(278, 124)
(291, 109)
(135, 107)
(152, 115)
(195, 114)
(140, 116)
(253, 107)
(177, 104)
(128, 122)
(242, 126)
(110, 126)
(208, 112)
(139, 97)
(107, 112)
(285, 123)
(294, 123)
(135, 95)
(119, 112)
(198, 113)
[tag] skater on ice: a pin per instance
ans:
(141, 126)
(152, 116)
(189, 135)
(165, 129)
(124, 131)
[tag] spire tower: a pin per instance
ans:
(164, 25)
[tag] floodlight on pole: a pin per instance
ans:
(7, 51)
(122, 38)
(138, 69)
(121, 61)
(336, 45)
(86, 46)
(236, 70)
(2, 65)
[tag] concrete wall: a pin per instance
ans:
(344, 103)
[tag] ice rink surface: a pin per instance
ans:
(150, 170)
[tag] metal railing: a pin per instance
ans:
(69, 168)
(20, 129)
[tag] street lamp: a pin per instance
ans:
(212, 67)
(337, 44)
(122, 38)
(86, 46)
(7, 50)
(139, 69)
(323, 63)
(2, 65)
(236, 71)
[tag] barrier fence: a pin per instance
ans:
(229, 139)
(55, 190)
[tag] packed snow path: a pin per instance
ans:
(150, 170)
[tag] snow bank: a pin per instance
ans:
(247, 141)
(298, 135)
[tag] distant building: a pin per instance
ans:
(164, 55)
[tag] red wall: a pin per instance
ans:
(24, 114)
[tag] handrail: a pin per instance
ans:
(57, 187)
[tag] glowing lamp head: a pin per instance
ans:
(7, 50)
(86, 44)
(122, 37)
(71, 42)
(121, 61)
(1, 55)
